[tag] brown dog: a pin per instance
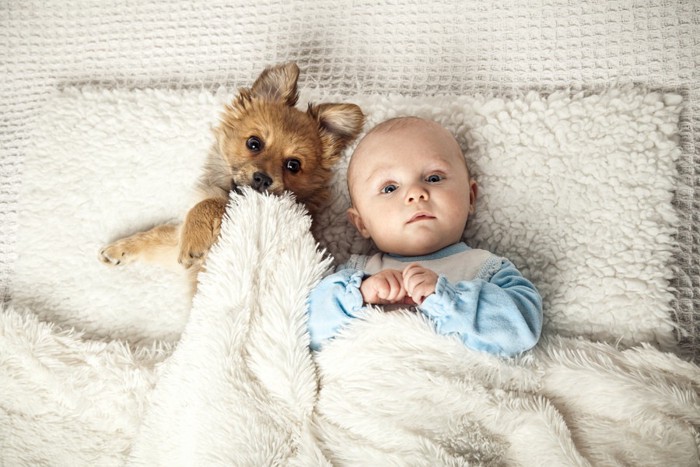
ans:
(265, 142)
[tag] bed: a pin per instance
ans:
(585, 113)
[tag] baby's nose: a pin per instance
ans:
(417, 193)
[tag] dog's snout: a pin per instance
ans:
(261, 181)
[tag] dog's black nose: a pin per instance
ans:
(261, 181)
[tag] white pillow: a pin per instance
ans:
(575, 189)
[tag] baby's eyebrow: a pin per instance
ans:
(378, 174)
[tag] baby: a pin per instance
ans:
(411, 193)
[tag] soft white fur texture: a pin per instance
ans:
(241, 388)
(575, 189)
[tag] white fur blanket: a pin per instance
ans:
(240, 386)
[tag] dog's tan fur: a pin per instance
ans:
(288, 138)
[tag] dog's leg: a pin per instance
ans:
(158, 245)
(200, 230)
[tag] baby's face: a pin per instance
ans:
(411, 190)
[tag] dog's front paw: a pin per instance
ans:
(195, 242)
(199, 232)
(191, 255)
(118, 253)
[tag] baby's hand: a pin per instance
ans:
(383, 288)
(419, 282)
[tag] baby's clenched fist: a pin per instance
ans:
(391, 286)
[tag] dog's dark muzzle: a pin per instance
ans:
(261, 181)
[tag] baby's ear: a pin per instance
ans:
(356, 220)
(278, 84)
(473, 191)
(339, 123)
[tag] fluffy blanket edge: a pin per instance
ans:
(242, 388)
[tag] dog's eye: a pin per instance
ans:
(254, 144)
(293, 165)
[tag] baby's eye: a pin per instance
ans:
(389, 188)
(434, 178)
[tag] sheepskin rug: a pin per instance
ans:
(575, 189)
(106, 366)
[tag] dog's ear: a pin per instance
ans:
(278, 84)
(339, 123)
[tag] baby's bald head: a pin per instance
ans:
(384, 133)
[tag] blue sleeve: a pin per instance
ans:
(333, 303)
(502, 316)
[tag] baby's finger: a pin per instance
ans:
(370, 294)
(412, 281)
(412, 270)
(382, 286)
(397, 291)
(420, 292)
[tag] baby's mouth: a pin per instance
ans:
(420, 216)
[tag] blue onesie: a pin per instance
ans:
(479, 297)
